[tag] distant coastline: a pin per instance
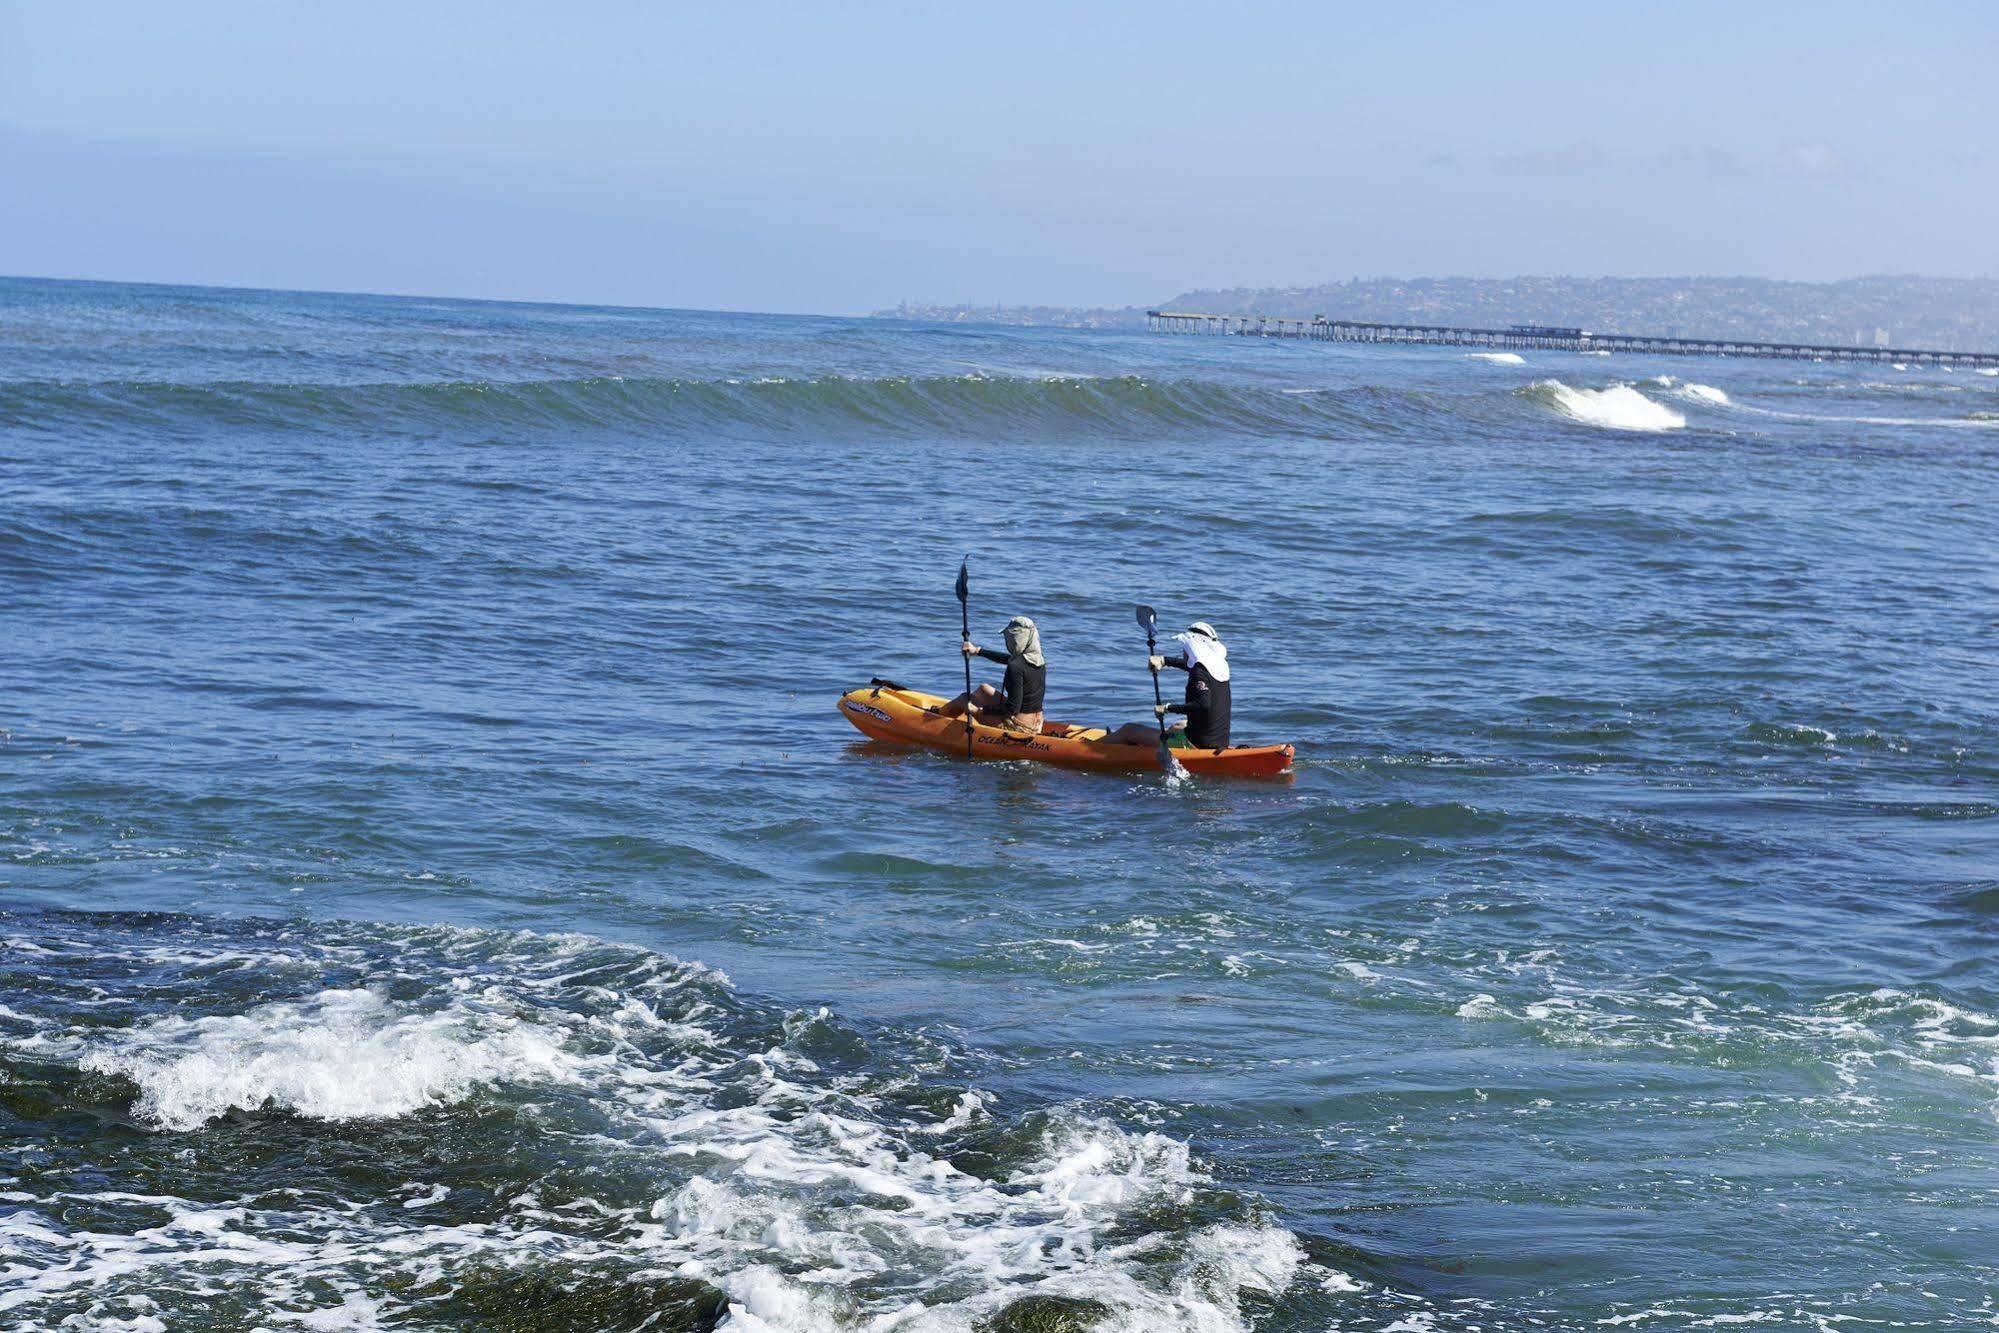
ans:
(1947, 313)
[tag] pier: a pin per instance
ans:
(1536, 337)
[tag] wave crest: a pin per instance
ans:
(837, 406)
(1619, 407)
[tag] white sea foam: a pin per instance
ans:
(342, 1055)
(1499, 358)
(1989, 370)
(1619, 407)
(1043, 1229)
(1862, 1038)
(806, 1200)
(970, 1107)
(1705, 393)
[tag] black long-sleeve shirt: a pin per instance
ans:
(1206, 707)
(1024, 685)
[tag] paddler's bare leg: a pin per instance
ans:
(982, 697)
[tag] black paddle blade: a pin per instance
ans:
(1147, 617)
(964, 578)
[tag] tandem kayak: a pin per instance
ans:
(890, 712)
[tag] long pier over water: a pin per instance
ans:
(1535, 337)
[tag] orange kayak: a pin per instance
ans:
(892, 713)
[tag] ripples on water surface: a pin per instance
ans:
(414, 709)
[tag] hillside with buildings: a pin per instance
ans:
(1945, 313)
(1025, 316)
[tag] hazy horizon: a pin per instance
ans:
(841, 314)
(789, 160)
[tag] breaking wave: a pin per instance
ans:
(1499, 358)
(1619, 407)
(977, 404)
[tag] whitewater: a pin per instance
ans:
(436, 890)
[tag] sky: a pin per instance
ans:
(841, 158)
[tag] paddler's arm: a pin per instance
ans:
(1178, 663)
(992, 655)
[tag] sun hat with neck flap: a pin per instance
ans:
(1023, 640)
(1204, 647)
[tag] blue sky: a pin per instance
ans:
(830, 158)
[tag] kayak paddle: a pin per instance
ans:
(965, 619)
(1147, 619)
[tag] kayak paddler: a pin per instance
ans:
(1016, 704)
(1205, 659)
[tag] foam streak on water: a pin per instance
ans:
(395, 689)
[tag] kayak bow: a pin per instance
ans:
(895, 713)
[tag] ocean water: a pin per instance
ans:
(436, 890)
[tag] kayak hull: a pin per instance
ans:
(910, 717)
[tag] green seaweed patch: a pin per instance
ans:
(543, 1300)
(1047, 1314)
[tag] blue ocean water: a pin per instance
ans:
(437, 891)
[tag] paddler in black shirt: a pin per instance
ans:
(1206, 661)
(1016, 704)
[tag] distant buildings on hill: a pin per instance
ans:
(1061, 317)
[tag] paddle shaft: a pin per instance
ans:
(1148, 619)
(965, 627)
(1152, 651)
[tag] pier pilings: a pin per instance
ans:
(1537, 338)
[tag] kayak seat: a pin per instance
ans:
(1069, 731)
